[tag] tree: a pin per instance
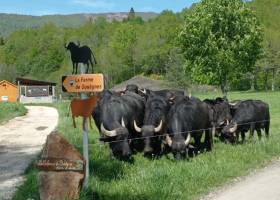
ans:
(221, 40)
(123, 43)
(131, 14)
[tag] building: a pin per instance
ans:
(32, 91)
(8, 91)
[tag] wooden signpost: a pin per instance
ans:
(83, 84)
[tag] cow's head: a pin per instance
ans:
(179, 145)
(71, 46)
(132, 88)
(118, 140)
(149, 133)
(229, 132)
(221, 114)
(220, 108)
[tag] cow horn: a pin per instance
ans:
(123, 124)
(233, 104)
(234, 128)
(168, 140)
(159, 127)
(227, 122)
(137, 128)
(190, 95)
(108, 133)
(188, 139)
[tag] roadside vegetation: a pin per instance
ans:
(11, 110)
(165, 178)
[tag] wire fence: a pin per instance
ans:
(171, 134)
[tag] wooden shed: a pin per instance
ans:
(8, 92)
(33, 91)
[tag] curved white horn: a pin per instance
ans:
(159, 127)
(227, 122)
(137, 128)
(108, 133)
(188, 139)
(145, 92)
(190, 95)
(123, 124)
(233, 129)
(168, 140)
(233, 104)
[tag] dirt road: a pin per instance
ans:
(262, 185)
(21, 140)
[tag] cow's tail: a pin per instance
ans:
(95, 62)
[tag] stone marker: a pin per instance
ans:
(62, 169)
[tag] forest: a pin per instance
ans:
(153, 48)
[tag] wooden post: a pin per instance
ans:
(85, 136)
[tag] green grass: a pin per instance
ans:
(165, 178)
(11, 110)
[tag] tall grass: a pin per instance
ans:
(166, 178)
(11, 110)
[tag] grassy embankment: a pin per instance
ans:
(165, 178)
(11, 110)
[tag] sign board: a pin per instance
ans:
(83, 83)
(56, 164)
(4, 98)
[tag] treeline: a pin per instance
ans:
(122, 49)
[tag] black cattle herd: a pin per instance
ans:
(160, 122)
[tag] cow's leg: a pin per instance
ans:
(252, 129)
(77, 68)
(91, 65)
(243, 136)
(266, 129)
(259, 133)
(208, 141)
(236, 138)
(73, 67)
(197, 141)
(87, 67)
(74, 123)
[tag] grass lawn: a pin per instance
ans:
(166, 178)
(11, 110)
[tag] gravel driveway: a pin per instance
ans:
(21, 140)
(262, 185)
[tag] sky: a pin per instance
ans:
(49, 7)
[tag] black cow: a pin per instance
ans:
(154, 125)
(114, 117)
(188, 117)
(80, 55)
(221, 114)
(247, 115)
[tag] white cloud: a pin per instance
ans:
(94, 3)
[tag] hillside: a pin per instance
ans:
(268, 12)
(13, 22)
